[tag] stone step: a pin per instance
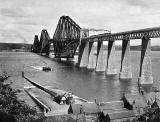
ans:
(92, 107)
(113, 105)
(114, 110)
(120, 114)
(88, 108)
(140, 100)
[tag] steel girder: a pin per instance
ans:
(135, 34)
(35, 46)
(66, 37)
(44, 42)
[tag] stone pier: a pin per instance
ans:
(145, 75)
(111, 68)
(85, 56)
(83, 49)
(125, 71)
(92, 57)
(100, 67)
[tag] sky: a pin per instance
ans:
(20, 20)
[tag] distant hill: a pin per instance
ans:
(14, 46)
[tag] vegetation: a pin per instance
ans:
(12, 109)
(152, 114)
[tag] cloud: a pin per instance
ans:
(29, 17)
(12, 12)
(145, 4)
(9, 36)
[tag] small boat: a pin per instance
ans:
(46, 68)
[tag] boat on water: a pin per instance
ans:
(42, 68)
(46, 68)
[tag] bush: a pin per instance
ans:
(13, 109)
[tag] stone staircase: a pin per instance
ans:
(113, 105)
(116, 110)
(121, 115)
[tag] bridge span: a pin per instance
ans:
(86, 55)
(134, 34)
(69, 36)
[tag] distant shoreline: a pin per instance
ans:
(15, 47)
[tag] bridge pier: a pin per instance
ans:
(125, 71)
(83, 49)
(92, 57)
(111, 68)
(145, 75)
(100, 67)
(85, 54)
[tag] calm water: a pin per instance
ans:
(81, 82)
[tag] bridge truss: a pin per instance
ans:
(44, 42)
(35, 46)
(66, 38)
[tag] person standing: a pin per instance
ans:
(81, 109)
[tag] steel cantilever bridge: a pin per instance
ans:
(67, 38)
(69, 35)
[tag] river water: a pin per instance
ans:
(66, 76)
